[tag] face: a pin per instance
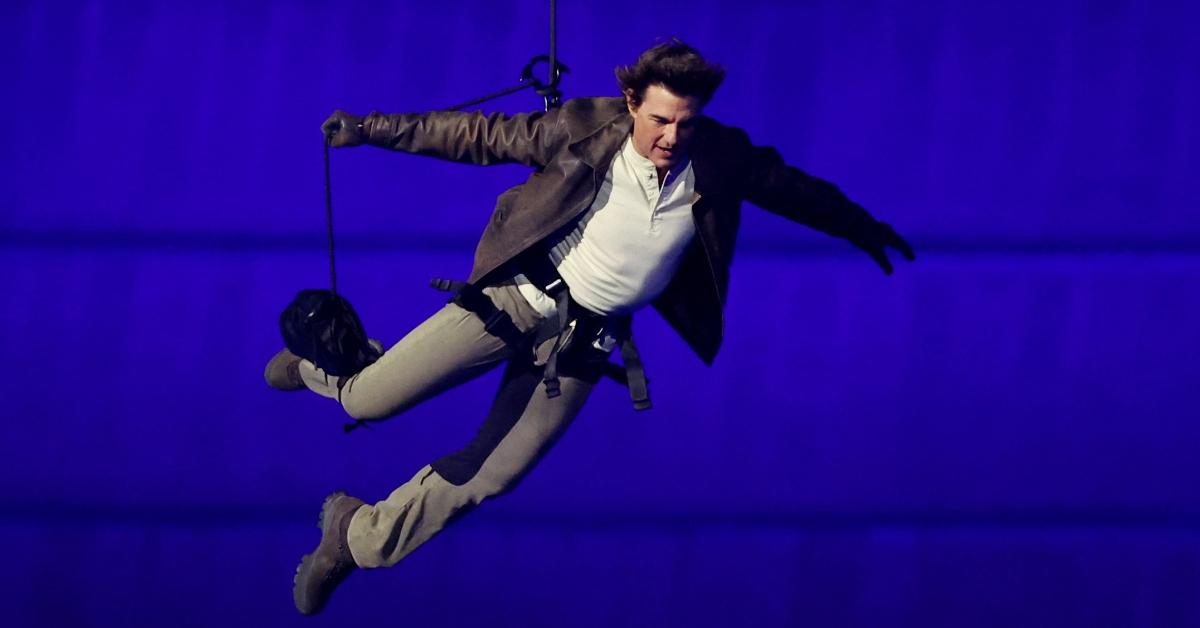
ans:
(663, 125)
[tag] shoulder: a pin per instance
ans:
(584, 116)
(720, 137)
(724, 149)
(598, 108)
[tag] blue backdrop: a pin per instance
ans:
(1001, 434)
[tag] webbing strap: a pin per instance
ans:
(635, 375)
(542, 273)
(496, 321)
(562, 303)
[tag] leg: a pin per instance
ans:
(449, 348)
(506, 448)
(357, 535)
(521, 426)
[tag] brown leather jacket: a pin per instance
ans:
(572, 147)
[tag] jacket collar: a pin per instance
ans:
(601, 132)
(605, 123)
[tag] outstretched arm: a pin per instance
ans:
(468, 137)
(796, 195)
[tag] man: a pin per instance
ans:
(634, 201)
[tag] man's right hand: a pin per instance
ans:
(344, 129)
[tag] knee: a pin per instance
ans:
(480, 484)
(490, 485)
(365, 407)
(372, 399)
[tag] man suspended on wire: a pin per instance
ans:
(635, 201)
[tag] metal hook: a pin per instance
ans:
(548, 91)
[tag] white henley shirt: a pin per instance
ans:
(624, 250)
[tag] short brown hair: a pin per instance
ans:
(674, 65)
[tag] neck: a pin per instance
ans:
(678, 167)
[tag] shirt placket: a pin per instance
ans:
(664, 196)
(649, 182)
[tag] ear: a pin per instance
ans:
(629, 101)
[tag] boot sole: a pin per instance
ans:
(304, 569)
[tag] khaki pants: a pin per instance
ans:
(448, 349)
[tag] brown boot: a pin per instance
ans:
(323, 570)
(283, 371)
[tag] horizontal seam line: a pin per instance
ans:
(232, 517)
(397, 243)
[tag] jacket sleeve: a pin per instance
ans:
(470, 137)
(788, 191)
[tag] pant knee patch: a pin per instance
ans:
(520, 382)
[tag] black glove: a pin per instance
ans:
(344, 129)
(876, 238)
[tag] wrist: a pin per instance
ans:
(363, 126)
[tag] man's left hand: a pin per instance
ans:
(344, 129)
(875, 241)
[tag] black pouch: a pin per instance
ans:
(322, 327)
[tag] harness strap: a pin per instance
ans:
(496, 321)
(538, 269)
(562, 303)
(635, 375)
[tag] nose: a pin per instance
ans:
(668, 137)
